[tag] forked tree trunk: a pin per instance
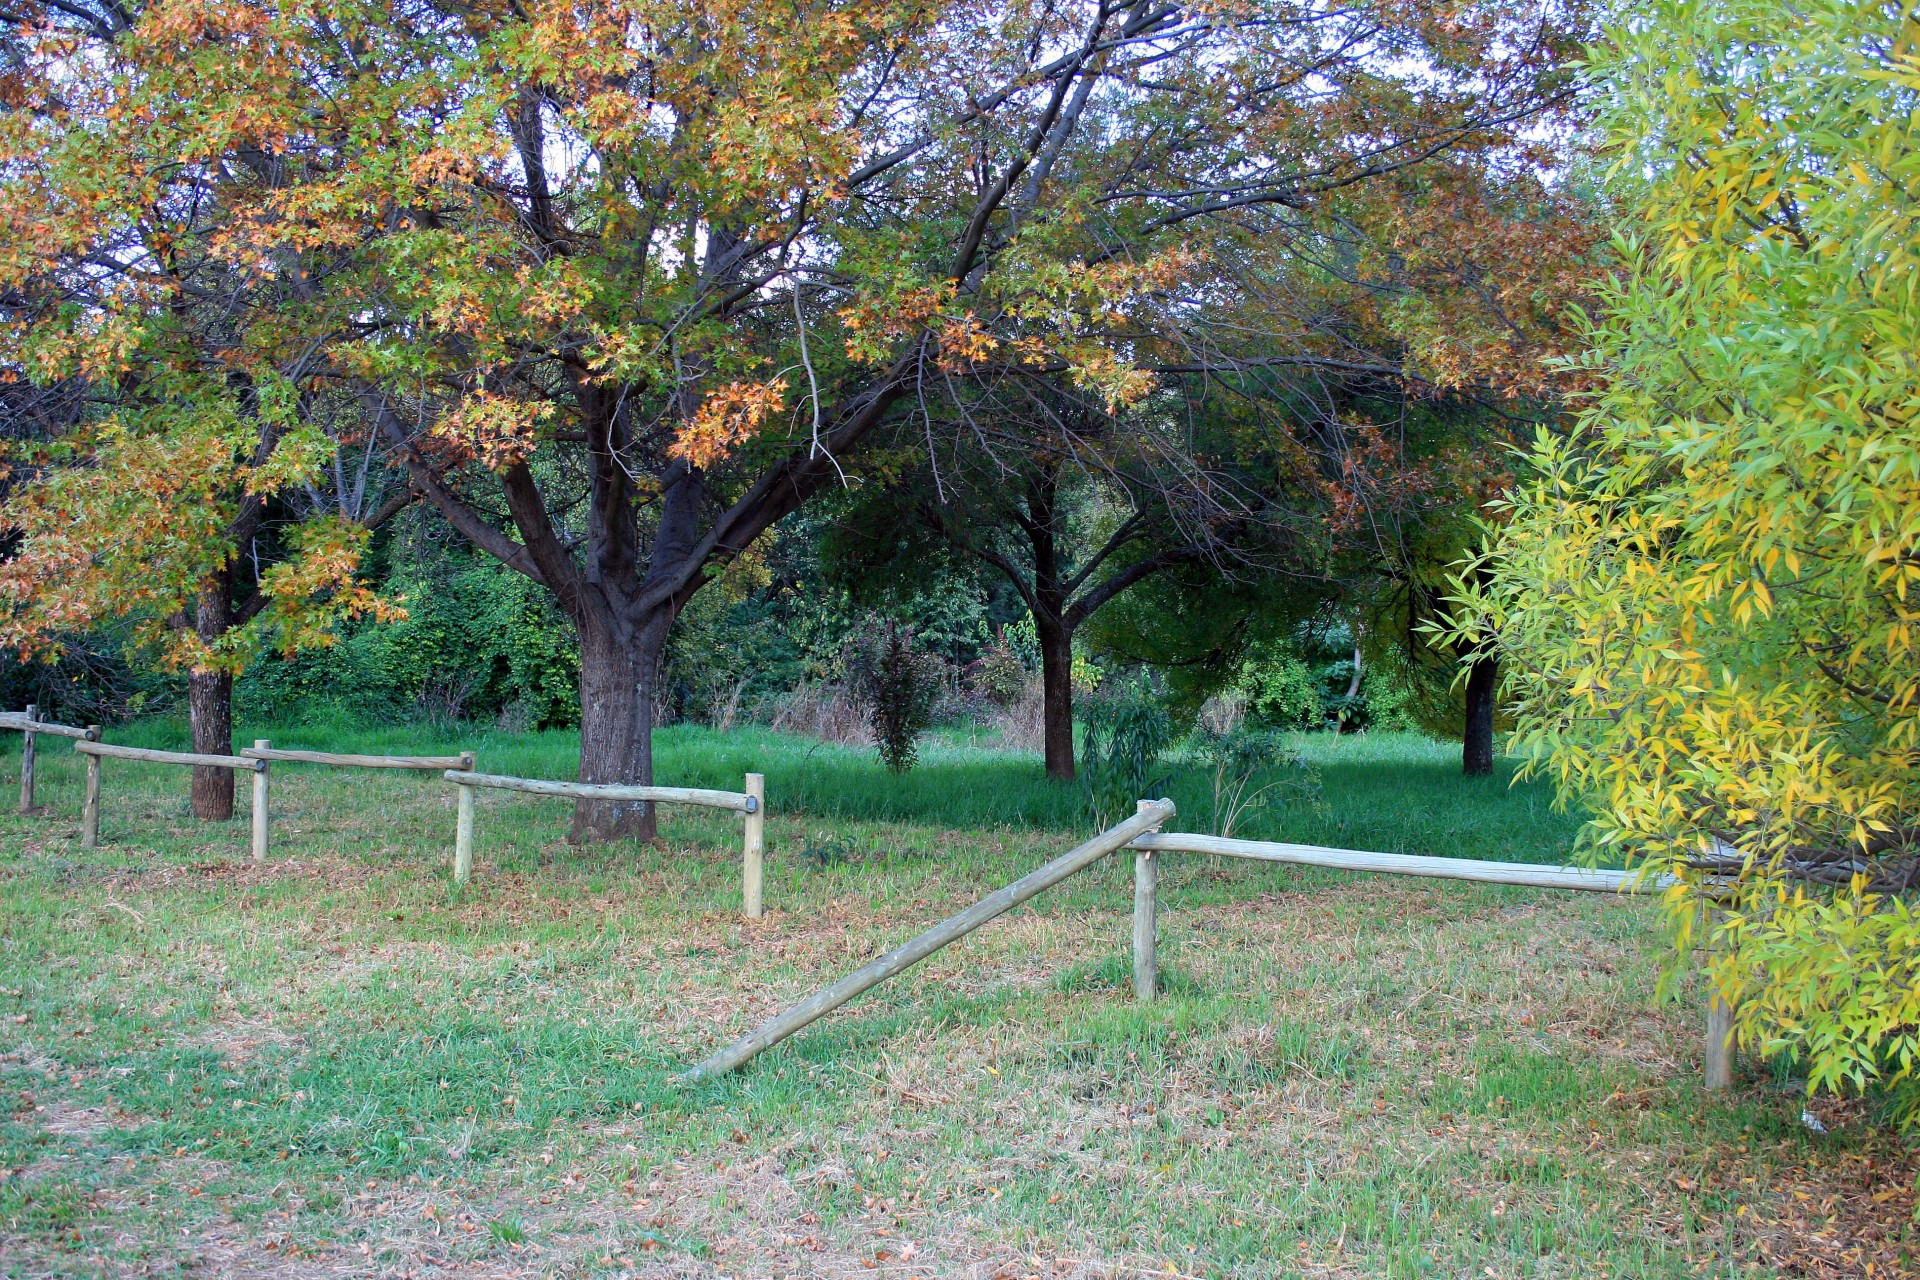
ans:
(1476, 745)
(1056, 684)
(616, 728)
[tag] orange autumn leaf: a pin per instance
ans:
(726, 418)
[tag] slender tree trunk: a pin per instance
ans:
(1056, 684)
(616, 727)
(1042, 523)
(1353, 685)
(210, 710)
(1476, 746)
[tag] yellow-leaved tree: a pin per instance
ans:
(1707, 595)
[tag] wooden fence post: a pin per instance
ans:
(753, 862)
(260, 785)
(26, 762)
(1146, 941)
(463, 836)
(1719, 1055)
(1717, 1060)
(90, 810)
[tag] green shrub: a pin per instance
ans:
(1252, 770)
(1127, 732)
(478, 640)
(1281, 691)
(1000, 675)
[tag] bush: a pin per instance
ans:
(899, 687)
(1127, 733)
(1234, 760)
(1281, 692)
(999, 674)
(478, 640)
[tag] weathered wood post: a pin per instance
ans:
(752, 866)
(260, 785)
(90, 809)
(1717, 1060)
(463, 836)
(1146, 919)
(26, 761)
(1720, 1050)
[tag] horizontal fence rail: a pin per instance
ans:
(1146, 908)
(342, 760)
(114, 751)
(739, 801)
(1584, 879)
(950, 930)
(752, 802)
(27, 724)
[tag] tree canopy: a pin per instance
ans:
(622, 285)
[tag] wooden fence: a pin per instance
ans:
(1141, 834)
(259, 759)
(32, 726)
(752, 802)
(98, 751)
(1718, 1054)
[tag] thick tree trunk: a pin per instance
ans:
(616, 728)
(210, 714)
(210, 708)
(1056, 683)
(1476, 746)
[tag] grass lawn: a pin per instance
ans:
(336, 1065)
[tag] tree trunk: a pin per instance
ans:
(210, 707)
(1353, 685)
(210, 714)
(1476, 746)
(1056, 683)
(616, 727)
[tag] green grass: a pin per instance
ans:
(336, 1064)
(1389, 792)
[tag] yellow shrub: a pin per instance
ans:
(1708, 594)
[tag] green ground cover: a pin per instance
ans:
(336, 1064)
(1393, 792)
